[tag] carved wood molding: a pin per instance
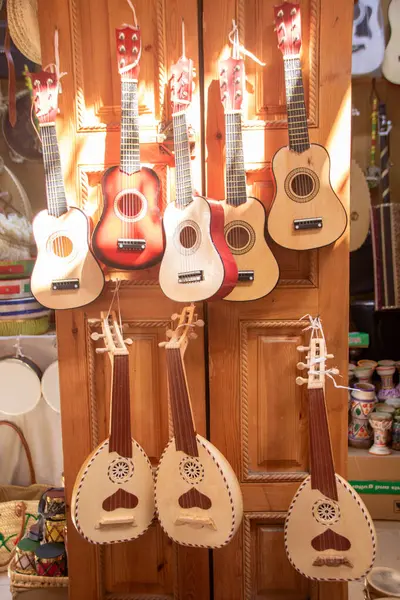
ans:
(247, 474)
(247, 559)
(309, 282)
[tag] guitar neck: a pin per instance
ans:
(120, 434)
(385, 167)
(183, 173)
(321, 459)
(129, 145)
(235, 171)
(296, 107)
(182, 418)
(55, 190)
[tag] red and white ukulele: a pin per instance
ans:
(197, 264)
(66, 274)
(244, 216)
(129, 232)
(329, 535)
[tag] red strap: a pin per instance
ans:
(12, 103)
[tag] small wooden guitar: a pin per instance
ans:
(329, 535)
(129, 233)
(306, 212)
(113, 495)
(198, 496)
(197, 264)
(66, 274)
(245, 218)
(391, 62)
(360, 207)
(368, 37)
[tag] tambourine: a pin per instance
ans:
(51, 386)
(382, 582)
(20, 384)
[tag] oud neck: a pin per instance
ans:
(120, 434)
(385, 167)
(129, 145)
(235, 172)
(183, 173)
(181, 410)
(55, 190)
(296, 107)
(321, 459)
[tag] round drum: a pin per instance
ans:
(55, 531)
(25, 556)
(54, 507)
(20, 385)
(383, 582)
(51, 386)
(50, 560)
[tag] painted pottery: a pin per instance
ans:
(386, 363)
(363, 400)
(388, 390)
(381, 423)
(396, 434)
(363, 374)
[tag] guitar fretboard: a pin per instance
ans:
(183, 173)
(129, 147)
(296, 108)
(55, 190)
(235, 172)
(120, 434)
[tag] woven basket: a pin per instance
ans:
(18, 581)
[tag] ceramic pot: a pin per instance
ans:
(381, 423)
(396, 434)
(366, 363)
(388, 390)
(363, 400)
(363, 374)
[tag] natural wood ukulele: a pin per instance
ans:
(113, 495)
(66, 274)
(129, 233)
(306, 212)
(198, 497)
(244, 216)
(329, 534)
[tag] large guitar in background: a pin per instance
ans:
(197, 264)
(66, 274)
(113, 495)
(329, 535)
(129, 232)
(245, 218)
(391, 62)
(368, 37)
(306, 212)
(198, 496)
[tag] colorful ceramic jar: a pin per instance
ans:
(363, 374)
(363, 400)
(396, 434)
(388, 390)
(381, 423)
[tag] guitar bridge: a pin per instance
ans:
(301, 224)
(128, 245)
(63, 285)
(115, 522)
(245, 276)
(196, 521)
(190, 277)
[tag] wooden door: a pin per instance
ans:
(256, 415)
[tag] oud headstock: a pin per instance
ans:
(232, 80)
(44, 96)
(315, 359)
(288, 28)
(187, 321)
(111, 333)
(129, 50)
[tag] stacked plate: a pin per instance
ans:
(20, 313)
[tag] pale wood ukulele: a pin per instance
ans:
(113, 495)
(329, 534)
(198, 497)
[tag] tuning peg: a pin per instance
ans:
(97, 336)
(169, 333)
(128, 341)
(330, 356)
(334, 371)
(199, 323)
(174, 317)
(301, 366)
(303, 348)
(193, 336)
(301, 380)
(101, 350)
(162, 344)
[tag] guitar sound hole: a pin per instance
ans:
(302, 185)
(130, 205)
(62, 246)
(188, 236)
(238, 238)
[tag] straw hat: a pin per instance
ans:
(24, 28)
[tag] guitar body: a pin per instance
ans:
(131, 211)
(304, 191)
(311, 514)
(391, 63)
(64, 253)
(195, 242)
(360, 207)
(184, 482)
(102, 475)
(245, 236)
(368, 37)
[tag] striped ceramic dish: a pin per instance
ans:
(15, 288)
(21, 308)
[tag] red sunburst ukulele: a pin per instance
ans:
(129, 233)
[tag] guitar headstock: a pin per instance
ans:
(288, 28)
(315, 360)
(44, 96)
(232, 80)
(179, 337)
(111, 333)
(181, 84)
(129, 50)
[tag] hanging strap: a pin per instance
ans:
(26, 448)
(12, 101)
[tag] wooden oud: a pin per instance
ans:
(198, 497)
(113, 495)
(245, 218)
(66, 274)
(306, 212)
(129, 233)
(197, 264)
(329, 535)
